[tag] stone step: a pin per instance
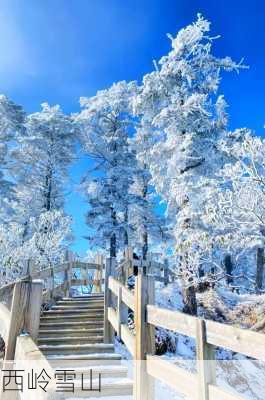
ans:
(69, 340)
(71, 349)
(71, 332)
(74, 311)
(78, 306)
(88, 297)
(69, 324)
(91, 360)
(72, 318)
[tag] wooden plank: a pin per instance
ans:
(113, 318)
(140, 389)
(139, 316)
(177, 378)
(32, 318)
(79, 264)
(28, 355)
(216, 393)
(243, 341)
(98, 273)
(172, 320)
(143, 387)
(82, 282)
(206, 366)
(150, 329)
(114, 285)
(8, 287)
(18, 310)
(5, 317)
(128, 338)
(127, 297)
(108, 331)
(119, 312)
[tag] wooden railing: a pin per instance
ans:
(141, 342)
(61, 279)
(130, 265)
(21, 301)
(23, 314)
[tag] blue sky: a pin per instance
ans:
(59, 50)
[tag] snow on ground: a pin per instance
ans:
(235, 372)
(222, 305)
(122, 350)
(169, 296)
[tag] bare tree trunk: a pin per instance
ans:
(190, 301)
(189, 290)
(126, 236)
(48, 191)
(113, 245)
(145, 233)
(113, 239)
(260, 268)
(228, 268)
(145, 245)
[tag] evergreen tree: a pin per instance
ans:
(176, 103)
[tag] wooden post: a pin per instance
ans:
(144, 339)
(260, 268)
(66, 288)
(205, 361)
(166, 277)
(98, 273)
(108, 330)
(150, 329)
(25, 313)
(70, 273)
(68, 276)
(18, 310)
(32, 319)
(52, 283)
(122, 312)
(128, 269)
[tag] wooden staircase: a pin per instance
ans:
(71, 337)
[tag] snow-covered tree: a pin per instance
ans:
(185, 122)
(238, 210)
(148, 226)
(11, 123)
(41, 153)
(46, 247)
(117, 188)
(48, 244)
(11, 252)
(105, 125)
(42, 159)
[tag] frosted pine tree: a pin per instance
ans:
(104, 122)
(148, 226)
(177, 104)
(237, 210)
(11, 123)
(42, 157)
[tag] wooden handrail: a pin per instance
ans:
(8, 286)
(5, 317)
(208, 335)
